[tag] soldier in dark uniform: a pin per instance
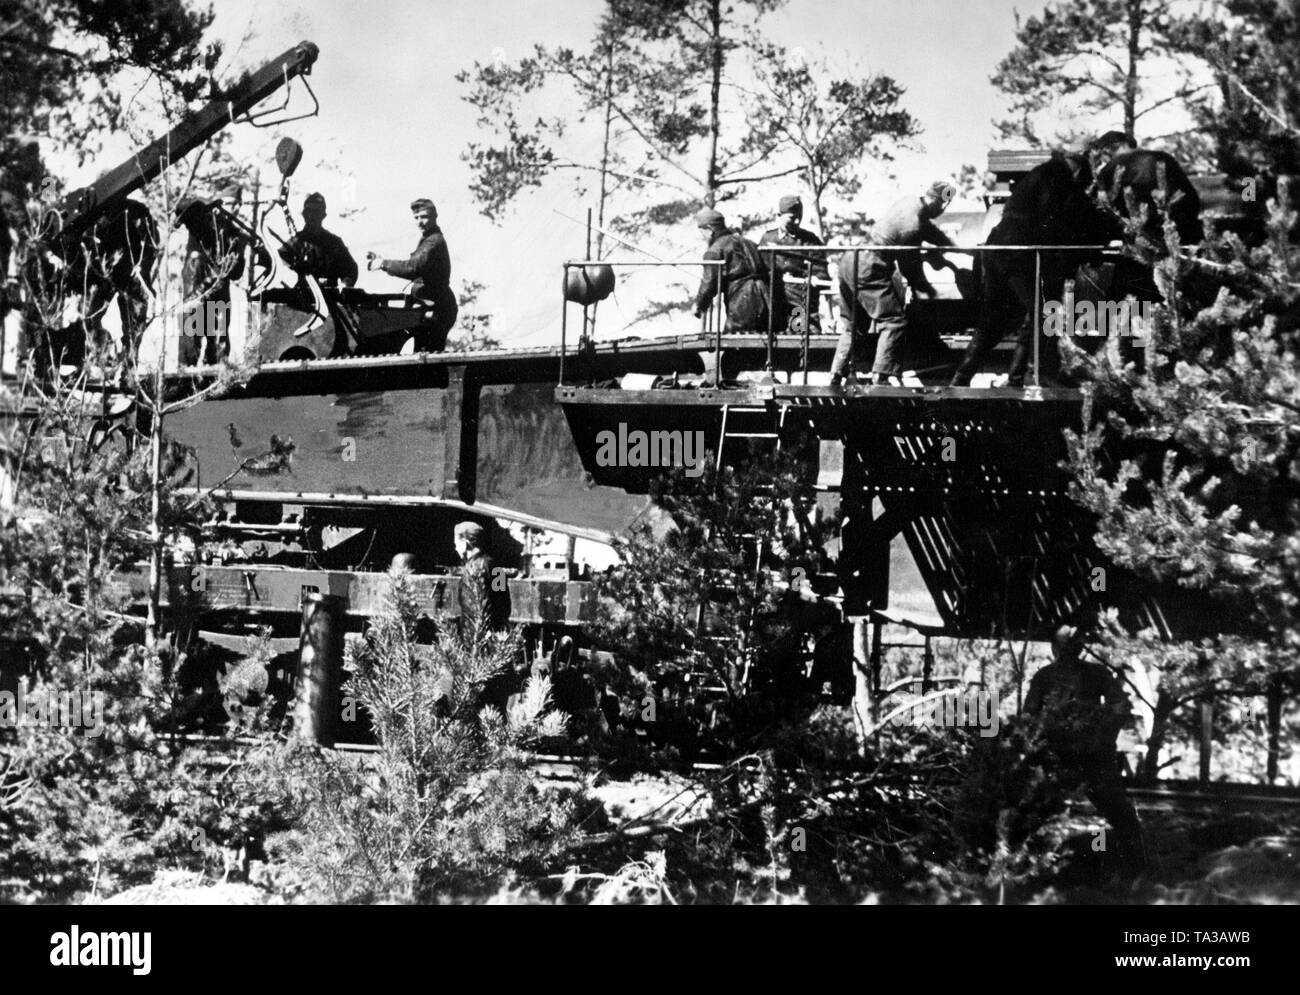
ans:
(430, 269)
(214, 259)
(318, 252)
(1138, 171)
(790, 305)
(873, 296)
(1105, 147)
(1049, 205)
(744, 280)
(485, 607)
(482, 587)
(1080, 708)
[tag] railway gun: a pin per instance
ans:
(954, 516)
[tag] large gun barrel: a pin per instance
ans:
(82, 207)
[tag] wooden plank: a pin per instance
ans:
(281, 589)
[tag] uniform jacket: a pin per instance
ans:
(903, 224)
(1081, 707)
(430, 268)
(1139, 169)
(333, 262)
(791, 264)
(744, 282)
(480, 589)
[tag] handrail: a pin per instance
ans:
(711, 317)
(787, 249)
(773, 249)
(715, 317)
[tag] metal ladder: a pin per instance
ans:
(748, 421)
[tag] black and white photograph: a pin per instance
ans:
(650, 452)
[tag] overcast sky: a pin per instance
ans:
(392, 116)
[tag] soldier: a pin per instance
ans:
(214, 259)
(1104, 148)
(1049, 205)
(791, 304)
(874, 289)
(430, 269)
(744, 280)
(1135, 174)
(1080, 709)
(482, 587)
(318, 252)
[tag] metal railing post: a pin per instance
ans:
(721, 320)
(771, 309)
(564, 318)
(807, 315)
(853, 314)
(1038, 309)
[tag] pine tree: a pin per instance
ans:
(449, 803)
(1192, 466)
(717, 601)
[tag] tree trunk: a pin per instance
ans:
(715, 98)
(604, 150)
(155, 515)
(863, 721)
(1150, 767)
(1131, 79)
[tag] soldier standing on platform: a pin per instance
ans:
(318, 252)
(874, 296)
(743, 277)
(430, 269)
(791, 305)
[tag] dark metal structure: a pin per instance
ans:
(954, 511)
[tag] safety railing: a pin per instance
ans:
(813, 250)
(711, 322)
(714, 319)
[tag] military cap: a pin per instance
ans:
(942, 190)
(423, 204)
(1066, 636)
(709, 218)
(790, 203)
(469, 531)
(1112, 139)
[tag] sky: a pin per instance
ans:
(392, 124)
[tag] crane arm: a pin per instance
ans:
(80, 208)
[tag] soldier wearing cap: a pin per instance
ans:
(318, 252)
(873, 295)
(430, 270)
(1079, 709)
(743, 277)
(215, 253)
(482, 587)
(791, 304)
